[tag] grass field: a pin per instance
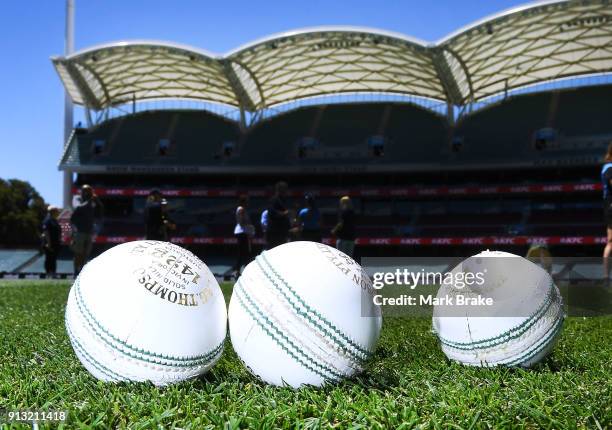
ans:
(408, 384)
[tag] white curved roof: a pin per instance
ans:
(118, 73)
(523, 46)
(528, 45)
(328, 60)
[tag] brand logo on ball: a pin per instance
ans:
(171, 274)
(347, 266)
(165, 293)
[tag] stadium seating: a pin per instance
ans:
(580, 119)
(584, 111)
(199, 137)
(347, 126)
(343, 131)
(273, 141)
(415, 135)
(195, 137)
(503, 132)
(344, 135)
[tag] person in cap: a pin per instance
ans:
(87, 208)
(51, 240)
(157, 223)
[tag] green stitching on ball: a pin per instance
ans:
(338, 343)
(270, 326)
(77, 346)
(184, 362)
(509, 334)
(530, 354)
(331, 329)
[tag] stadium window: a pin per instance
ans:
(306, 145)
(457, 143)
(228, 149)
(163, 147)
(377, 145)
(98, 146)
(544, 137)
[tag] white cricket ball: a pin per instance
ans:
(519, 327)
(302, 314)
(146, 311)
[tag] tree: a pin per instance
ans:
(22, 211)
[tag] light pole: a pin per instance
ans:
(68, 108)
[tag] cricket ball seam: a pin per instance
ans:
(529, 354)
(355, 358)
(291, 349)
(148, 356)
(510, 334)
(90, 359)
(313, 342)
(526, 355)
(128, 358)
(347, 340)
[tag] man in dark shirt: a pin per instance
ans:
(157, 223)
(51, 240)
(345, 229)
(277, 232)
(87, 208)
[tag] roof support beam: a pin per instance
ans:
(241, 93)
(446, 76)
(88, 96)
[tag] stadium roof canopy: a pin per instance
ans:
(524, 46)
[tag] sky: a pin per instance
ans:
(31, 111)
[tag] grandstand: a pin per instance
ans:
(578, 121)
(196, 136)
(463, 143)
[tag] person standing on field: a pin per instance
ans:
(244, 232)
(157, 223)
(279, 224)
(310, 220)
(87, 207)
(345, 229)
(263, 222)
(51, 240)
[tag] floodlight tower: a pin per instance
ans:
(68, 107)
